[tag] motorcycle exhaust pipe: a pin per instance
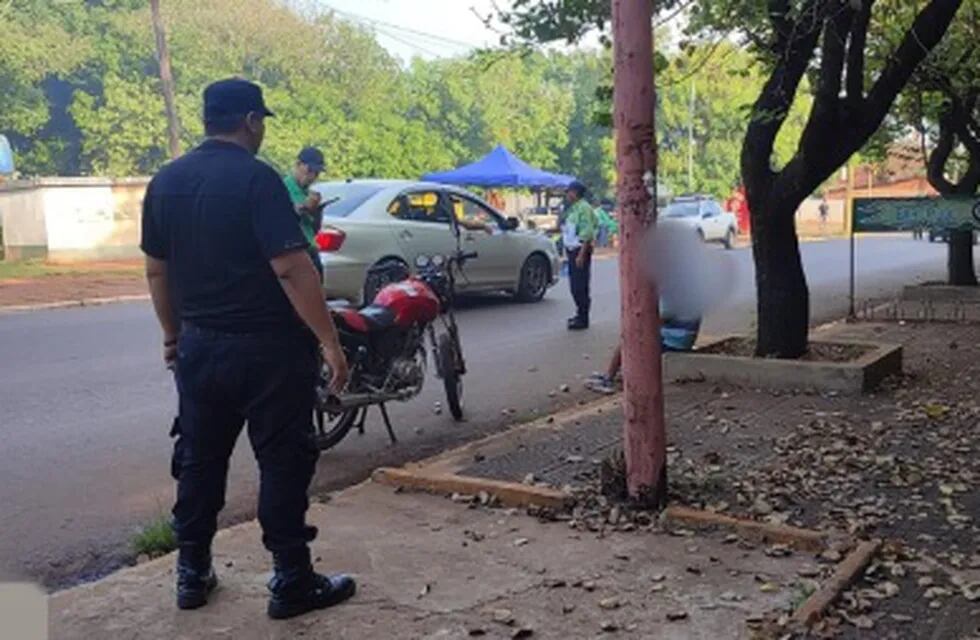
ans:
(348, 401)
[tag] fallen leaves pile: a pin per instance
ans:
(902, 465)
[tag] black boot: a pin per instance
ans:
(297, 589)
(195, 579)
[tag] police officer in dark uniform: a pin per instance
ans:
(223, 246)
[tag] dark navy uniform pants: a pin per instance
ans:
(225, 381)
(579, 279)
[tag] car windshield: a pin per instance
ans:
(349, 196)
(681, 210)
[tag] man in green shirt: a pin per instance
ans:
(309, 165)
(608, 226)
(578, 234)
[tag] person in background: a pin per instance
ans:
(578, 232)
(241, 311)
(608, 226)
(309, 165)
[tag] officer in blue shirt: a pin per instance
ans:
(223, 246)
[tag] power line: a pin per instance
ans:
(400, 40)
(437, 39)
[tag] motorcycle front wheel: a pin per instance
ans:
(331, 428)
(452, 379)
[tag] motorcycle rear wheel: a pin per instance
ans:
(329, 429)
(451, 377)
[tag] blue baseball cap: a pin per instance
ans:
(578, 188)
(233, 98)
(313, 158)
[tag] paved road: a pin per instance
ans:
(85, 405)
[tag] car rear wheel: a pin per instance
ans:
(729, 240)
(534, 279)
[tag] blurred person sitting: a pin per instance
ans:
(676, 334)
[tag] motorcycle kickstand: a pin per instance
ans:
(384, 415)
(360, 422)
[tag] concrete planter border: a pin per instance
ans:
(850, 378)
(941, 292)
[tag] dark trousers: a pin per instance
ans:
(579, 278)
(225, 380)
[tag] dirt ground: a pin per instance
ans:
(435, 569)
(901, 465)
(42, 283)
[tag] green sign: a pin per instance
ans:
(908, 214)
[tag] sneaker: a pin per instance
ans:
(601, 384)
(313, 591)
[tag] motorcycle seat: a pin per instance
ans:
(369, 319)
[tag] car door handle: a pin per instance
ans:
(405, 234)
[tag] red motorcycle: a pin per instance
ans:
(386, 344)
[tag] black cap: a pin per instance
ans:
(578, 188)
(233, 98)
(313, 158)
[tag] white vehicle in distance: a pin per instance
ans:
(372, 224)
(705, 217)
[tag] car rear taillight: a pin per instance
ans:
(330, 239)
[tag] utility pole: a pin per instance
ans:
(690, 138)
(644, 435)
(166, 80)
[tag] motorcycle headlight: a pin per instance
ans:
(423, 261)
(438, 260)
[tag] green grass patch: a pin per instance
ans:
(802, 591)
(155, 538)
(39, 269)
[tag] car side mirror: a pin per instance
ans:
(511, 224)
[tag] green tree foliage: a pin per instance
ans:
(942, 100)
(707, 90)
(479, 102)
(37, 43)
(329, 81)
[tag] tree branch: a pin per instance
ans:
(855, 54)
(782, 24)
(835, 35)
(770, 110)
(936, 169)
(953, 124)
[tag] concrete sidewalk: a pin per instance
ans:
(429, 567)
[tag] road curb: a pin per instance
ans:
(70, 304)
(796, 537)
(846, 573)
(508, 494)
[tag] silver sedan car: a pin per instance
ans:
(372, 224)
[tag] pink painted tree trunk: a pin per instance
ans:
(644, 435)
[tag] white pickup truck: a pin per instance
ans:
(705, 217)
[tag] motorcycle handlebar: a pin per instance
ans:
(467, 255)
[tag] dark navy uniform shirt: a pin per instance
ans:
(217, 216)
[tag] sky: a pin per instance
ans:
(426, 28)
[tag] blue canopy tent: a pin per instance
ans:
(500, 168)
